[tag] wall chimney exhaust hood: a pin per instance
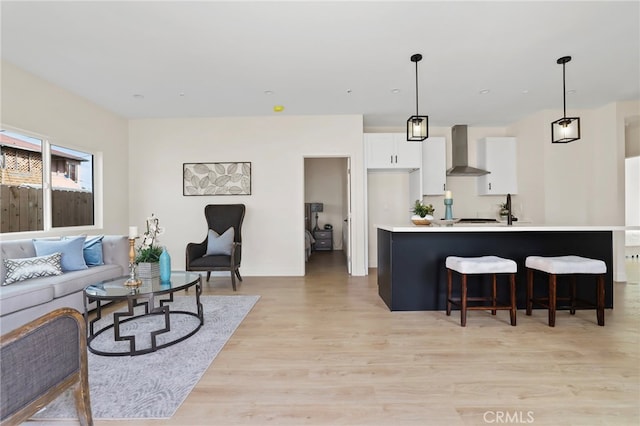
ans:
(459, 151)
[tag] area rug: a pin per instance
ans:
(152, 386)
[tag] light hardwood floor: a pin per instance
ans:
(324, 350)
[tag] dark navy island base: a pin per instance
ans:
(412, 274)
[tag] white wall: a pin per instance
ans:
(273, 230)
(36, 106)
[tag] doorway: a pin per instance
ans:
(327, 183)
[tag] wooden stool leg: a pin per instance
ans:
(572, 310)
(600, 300)
(552, 300)
(449, 273)
(529, 290)
(514, 307)
(463, 301)
(493, 293)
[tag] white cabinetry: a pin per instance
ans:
(434, 166)
(498, 156)
(391, 151)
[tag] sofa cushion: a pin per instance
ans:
(32, 267)
(71, 249)
(71, 282)
(25, 294)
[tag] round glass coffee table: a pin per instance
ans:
(146, 323)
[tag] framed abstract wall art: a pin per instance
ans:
(216, 179)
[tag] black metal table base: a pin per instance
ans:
(122, 317)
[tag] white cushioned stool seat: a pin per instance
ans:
(566, 265)
(481, 265)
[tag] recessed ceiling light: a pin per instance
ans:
(181, 93)
(349, 91)
(138, 96)
(525, 92)
(395, 91)
(484, 91)
(278, 108)
(268, 92)
(571, 92)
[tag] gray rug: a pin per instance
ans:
(155, 384)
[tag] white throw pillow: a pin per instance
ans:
(220, 244)
(32, 267)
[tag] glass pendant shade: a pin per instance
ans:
(566, 129)
(417, 128)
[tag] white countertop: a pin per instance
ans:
(502, 227)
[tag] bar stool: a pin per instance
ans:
(481, 265)
(565, 265)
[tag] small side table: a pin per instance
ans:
(324, 240)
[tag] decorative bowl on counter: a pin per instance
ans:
(446, 222)
(419, 220)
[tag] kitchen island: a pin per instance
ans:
(411, 259)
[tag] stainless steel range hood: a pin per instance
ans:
(459, 154)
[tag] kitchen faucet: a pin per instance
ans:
(509, 215)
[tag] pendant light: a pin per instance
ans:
(566, 129)
(417, 125)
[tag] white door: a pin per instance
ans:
(346, 239)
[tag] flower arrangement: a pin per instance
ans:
(422, 210)
(149, 251)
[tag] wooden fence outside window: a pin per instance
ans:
(21, 208)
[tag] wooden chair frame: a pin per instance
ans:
(56, 376)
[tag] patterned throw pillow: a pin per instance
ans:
(32, 267)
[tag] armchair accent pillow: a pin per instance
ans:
(32, 267)
(71, 249)
(220, 244)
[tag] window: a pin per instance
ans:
(43, 186)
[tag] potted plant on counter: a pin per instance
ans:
(422, 213)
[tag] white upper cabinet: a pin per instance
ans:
(498, 156)
(391, 151)
(434, 166)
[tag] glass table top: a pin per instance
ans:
(115, 288)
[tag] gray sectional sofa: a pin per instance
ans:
(23, 301)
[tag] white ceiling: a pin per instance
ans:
(211, 58)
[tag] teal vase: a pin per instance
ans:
(165, 265)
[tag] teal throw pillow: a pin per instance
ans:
(71, 249)
(220, 244)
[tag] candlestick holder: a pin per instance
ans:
(132, 281)
(448, 212)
